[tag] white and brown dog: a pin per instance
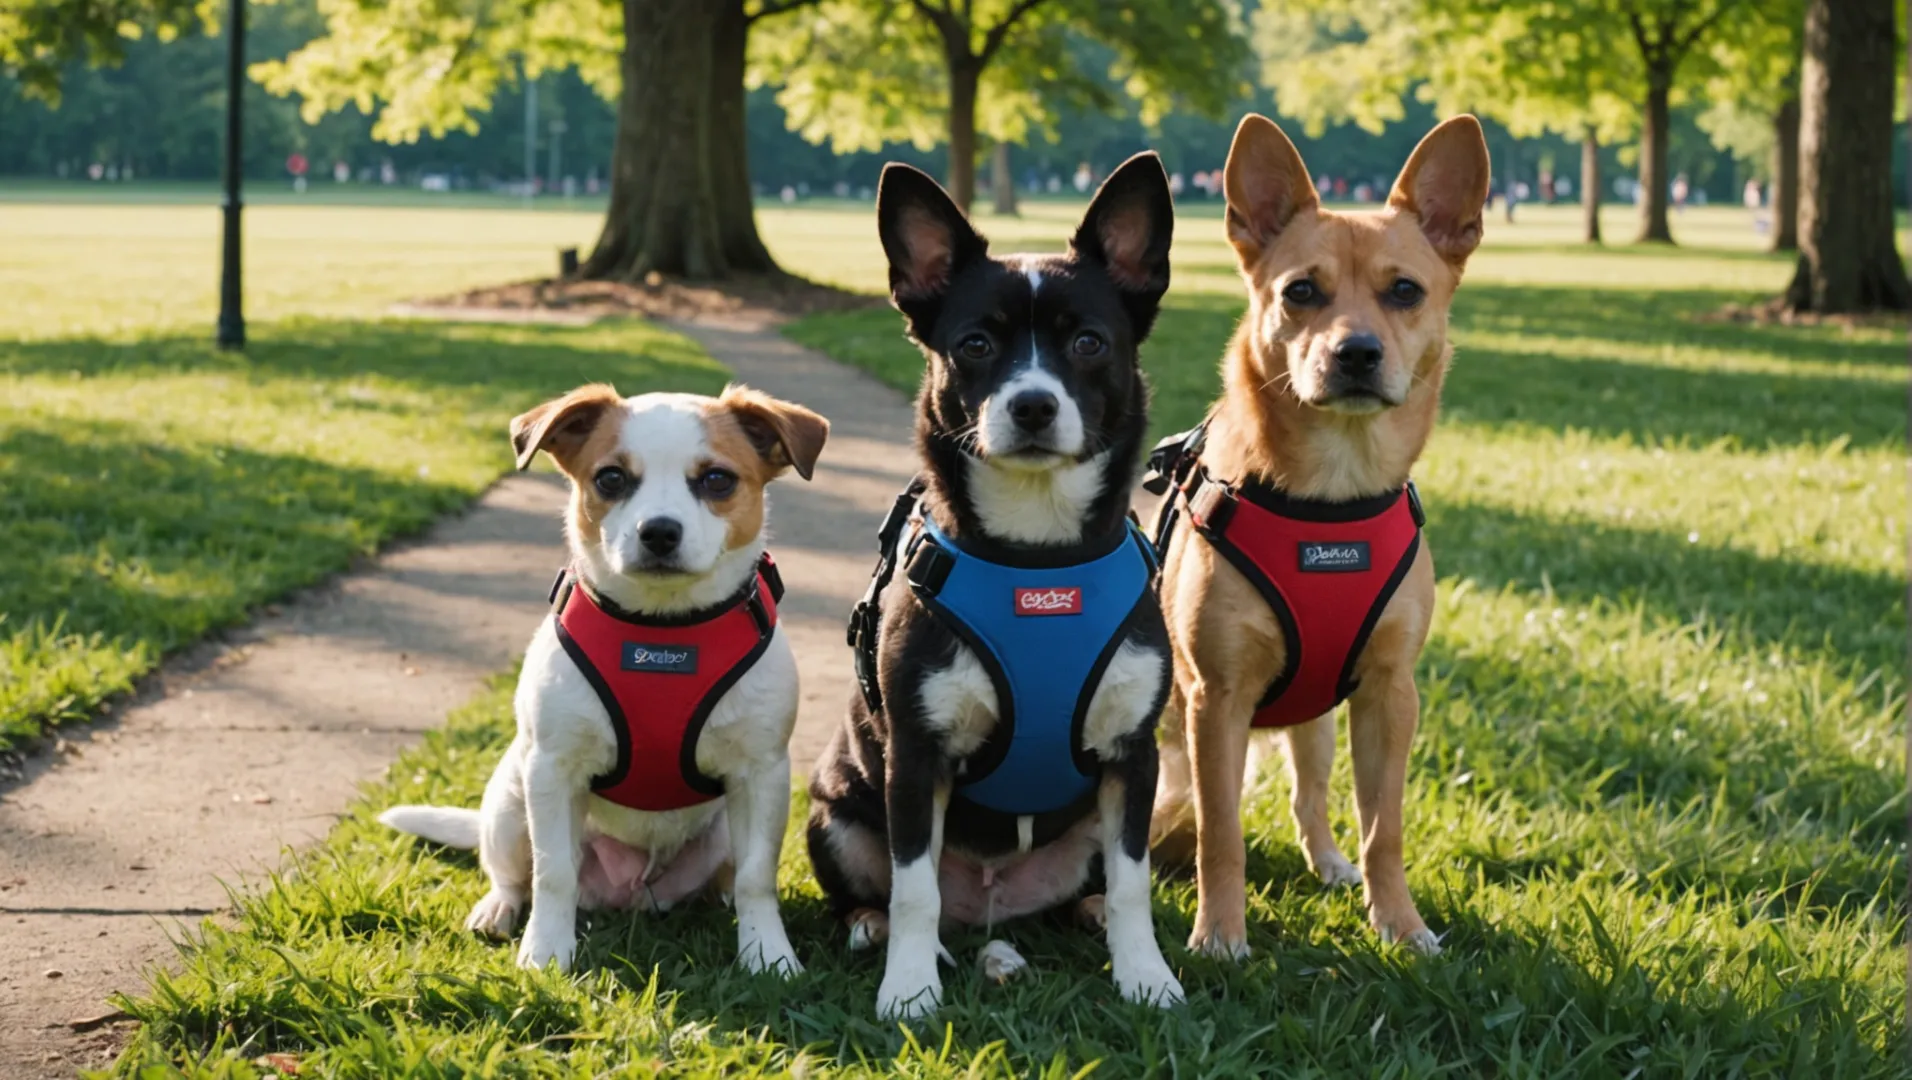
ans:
(656, 703)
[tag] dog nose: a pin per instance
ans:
(660, 536)
(1033, 410)
(1359, 354)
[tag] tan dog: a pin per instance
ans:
(1331, 386)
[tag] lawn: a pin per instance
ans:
(157, 489)
(1656, 807)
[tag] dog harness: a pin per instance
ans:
(659, 676)
(1044, 633)
(1326, 569)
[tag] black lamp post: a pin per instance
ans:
(232, 322)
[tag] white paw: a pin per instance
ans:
(1217, 946)
(540, 949)
(1000, 962)
(1423, 941)
(1336, 872)
(1149, 982)
(909, 991)
(493, 916)
(769, 952)
(870, 928)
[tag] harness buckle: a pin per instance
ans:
(1414, 506)
(929, 567)
(1166, 459)
(1211, 504)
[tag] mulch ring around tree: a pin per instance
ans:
(571, 300)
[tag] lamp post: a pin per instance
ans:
(232, 322)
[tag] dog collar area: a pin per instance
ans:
(659, 678)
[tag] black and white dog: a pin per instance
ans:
(927, 805)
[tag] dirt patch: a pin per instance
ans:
(782, 296)
(1776, 312)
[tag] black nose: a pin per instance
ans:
(1033, 410)
(660, 536)
(1359, 354)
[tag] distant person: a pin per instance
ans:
(1084, 178)
(1175, 185)
(1751, 197)
(1340, 187)
(1680, 191)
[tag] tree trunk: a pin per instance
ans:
(730, 145)
(1590, 186)
(964, 76)
(679, 175)
(1002, 183)
(1785, 200)
(1653, 179)
(1847, 259)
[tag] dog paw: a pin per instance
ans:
(908, 995)
(999, 962)
(1093, 912)
(1149, 982)
(494, 916)
(1336, 872)
(1423, 941)
(868, 927)
(537, 951)
(1217, 945)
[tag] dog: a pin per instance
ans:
(655, 705)
(1015, 542)
(1300, 579)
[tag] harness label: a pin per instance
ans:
(1052, 601)
(660, 659)
(1344, 557)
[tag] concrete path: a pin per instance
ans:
(258, 742)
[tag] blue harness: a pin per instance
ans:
(1045, 635)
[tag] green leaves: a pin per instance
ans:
(39, 37)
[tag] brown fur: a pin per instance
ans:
(1276, 422)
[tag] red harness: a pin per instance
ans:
(1326, 570)
(659, 677)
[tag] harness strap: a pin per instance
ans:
(867, 615)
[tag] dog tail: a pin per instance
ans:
(452, 826)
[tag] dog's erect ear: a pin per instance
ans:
(925, 235)
(1444, 184)
(1129, 225)
(1266, 183)
(561, 426)
(786, 435)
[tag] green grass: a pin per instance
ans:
(157, 489)
(1656, 805)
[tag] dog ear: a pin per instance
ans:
(1444, 185)
(1129, 225)
(785, 435)
(1266, 184)
(560, 426)
(925, 235)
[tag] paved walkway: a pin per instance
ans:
(258, 742)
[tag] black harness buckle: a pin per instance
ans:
(867, 615)
(1414, 506)
(1166, 461)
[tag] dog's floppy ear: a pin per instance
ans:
(1266, 184)
(1444, 185)
(784, 434)
(1128, 227)
(925, 235)
(561, 426)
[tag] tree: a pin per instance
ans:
(1527, 63)
(859, 73)
(680, 184)
(1754, 111)
(1531, 67)
(1848, 261)
(40, 37)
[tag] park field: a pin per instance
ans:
(1656, 807)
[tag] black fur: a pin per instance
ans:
(876, 782)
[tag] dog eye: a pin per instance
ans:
(1405, 293)
(717, 483)
(612, 482)
(975, 347)
(1088, 346)
(1303, 293)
